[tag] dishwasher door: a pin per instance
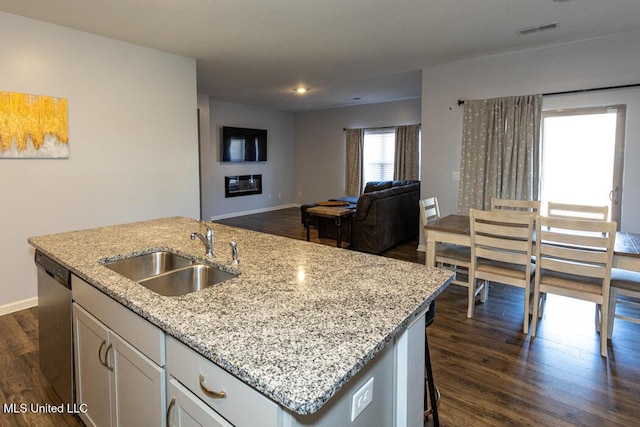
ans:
(55, 326)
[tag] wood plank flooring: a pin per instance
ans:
(20, 379)
(489, 373)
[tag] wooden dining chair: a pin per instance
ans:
(455, 257)
(526, 206)
(572, 211)
(626, 285)
(501, 252)
(573, 259)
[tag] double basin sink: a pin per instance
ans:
(168, 274)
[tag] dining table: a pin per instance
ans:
(456, 229)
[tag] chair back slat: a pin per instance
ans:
(525, 206)
(429, 210)
(573, 211)
(575, 254)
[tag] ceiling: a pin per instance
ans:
(347, 52)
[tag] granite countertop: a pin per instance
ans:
(298, 322)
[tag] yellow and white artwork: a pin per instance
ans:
(33, 126)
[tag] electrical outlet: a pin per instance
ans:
(455, 176)
(361, 399)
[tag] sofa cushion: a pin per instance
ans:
(365, 201)
(377, 186)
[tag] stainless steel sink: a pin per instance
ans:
(148, 265)
(186, 280)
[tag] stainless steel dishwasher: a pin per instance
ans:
(55, 326)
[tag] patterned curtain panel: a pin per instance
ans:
(353, 183)
(407, 158)
(500, 151)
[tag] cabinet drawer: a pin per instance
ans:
(185, 409)
(243, 406)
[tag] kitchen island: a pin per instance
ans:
(299, 324)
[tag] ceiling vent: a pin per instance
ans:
(532, 30)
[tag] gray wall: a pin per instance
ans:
(320, 143)
(603, 62)
(132, 141)
(277, 171)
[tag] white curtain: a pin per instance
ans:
(353, 173)
(407, 158)
(500, 151)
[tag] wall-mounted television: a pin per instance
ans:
(243, 145)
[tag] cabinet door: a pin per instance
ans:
(186, 410)
(92, 376)
(138, 386)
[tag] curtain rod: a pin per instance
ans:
(384, 127)
(460, 102)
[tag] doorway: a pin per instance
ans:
(583, 156)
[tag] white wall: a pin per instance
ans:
(320, 143)
(132, 140)
(597, 63)
(277, 171)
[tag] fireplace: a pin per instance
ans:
(242, 185)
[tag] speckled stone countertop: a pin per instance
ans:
(298, 322)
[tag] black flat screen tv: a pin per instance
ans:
(243, 145)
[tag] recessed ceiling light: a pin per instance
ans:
(301, 90)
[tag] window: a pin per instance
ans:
(582, 157)
(378, 154)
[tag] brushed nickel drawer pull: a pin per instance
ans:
(104, 342)
(209, 392)
(173, 402)
(106, 355)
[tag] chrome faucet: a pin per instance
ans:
(234, 252)
(206, 241)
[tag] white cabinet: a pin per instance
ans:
(116, 383)
(92, 376)
(186, 410)
(119, 385)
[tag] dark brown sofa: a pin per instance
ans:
(387, 213)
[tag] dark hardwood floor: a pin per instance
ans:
(489, 373)
(20, 379)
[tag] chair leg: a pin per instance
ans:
(613, 299)
(535, 315)
(527, 309)
(471, 296)
(604, 325)
(484, 291)
(433, 394)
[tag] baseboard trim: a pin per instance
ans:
(18, 305)
(254, 211)
(422, 248)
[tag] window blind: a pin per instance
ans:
(378, 154)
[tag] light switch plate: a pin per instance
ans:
(361, 399)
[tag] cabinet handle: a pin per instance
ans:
(100, 353)
(106, 360)
(173, 402)
(209, 392)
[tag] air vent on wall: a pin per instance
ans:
(532, 30)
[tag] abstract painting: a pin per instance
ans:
(33, 126)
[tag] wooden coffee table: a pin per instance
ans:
(338, 213)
